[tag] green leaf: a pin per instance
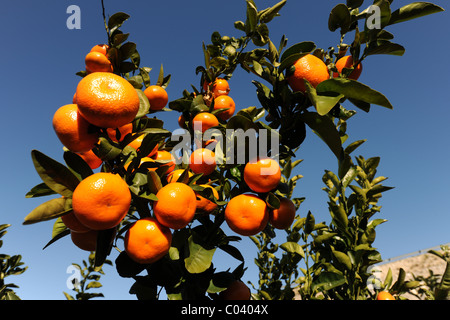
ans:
(252, 17)
(127, 50)
(55, 175)
(268, 14)
(144, 104)
(353, 89)
(116, 20)
(324, 127)
(343, 259)
(298, 48)
(232, 251)
(352, 146)
(93, 284)
(293, 247)
(385, 48)
(58, 236)
(48, 210)
(199, 259)
(77, 164)
(58, 227)
(39, 191)
(413, 10)
(324, 237)
(339, 18)
(309, 223)
(327, 281)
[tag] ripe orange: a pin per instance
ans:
(205, 121)
(176, 205)
(347, 62)
(308, 67)
(101, 200)
(157, 96)
(123, 130)
(85, 240)
(91, 159)
(237, 290)
(175, 175)
(102, 48)
(220, 87)
(384, 295)
(222, 102)
(147, 241)
(283, 217)
(205, 205)
(136, 144)
(165, 155)
(246, 214)
(71, 222)
(97, 62)
(181, 121)
(74, 132)
(143, 160)
(202, 160)
(263, 175)
(107, 100)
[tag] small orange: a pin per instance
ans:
(147, 241)
(205, 205)
(102, 48)
(204, 121)
(101, 200)
(181, 121)
(176, 205)
(85, 240)
(175, 175)
(107, 100)
(283, 217)
(220, 87)
(202, 160)
(136, 144)
(384, 295)
(91, 159)
(71, 222)
(308, 67)
(74, 132)
(237, 290)
(165, 155)
(123, 130)
(157, 96)
(222, 102)
(262, 175)
(143, 160)
(347, 62)
(97, 62)
(246, 214)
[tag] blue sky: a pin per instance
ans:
(40, 57)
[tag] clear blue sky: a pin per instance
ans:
(40, 56)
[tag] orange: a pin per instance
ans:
(205, 205)
(101, 200)
(107, 100)
(102, 48)
(222, 102)
(263, 175)
(136, 144)
(165, 155)
(147, 241)
(143, 160)
(176, 205)
(175, 175)
(205, 121)
(246, 214)
(97, 62)
(384, 295)
(123, 130)
(91, 159)
(157, 96)
(71, 222)
(202, 160)
(85, 240)
(347, 62)
(220, 87)
(74, 132)
(237, 290)
(181, 122)
(308, 67)
(283, 217)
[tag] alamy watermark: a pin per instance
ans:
(73, 281)
(74, 20)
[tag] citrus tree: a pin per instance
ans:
(162, 198)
